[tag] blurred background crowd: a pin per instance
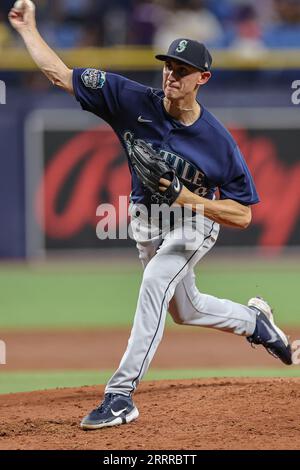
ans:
(249, 25)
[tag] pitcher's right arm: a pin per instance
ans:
(23, 21)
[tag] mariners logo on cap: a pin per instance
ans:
(182, 46)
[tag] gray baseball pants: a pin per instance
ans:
(169, 284)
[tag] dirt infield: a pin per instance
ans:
(181, 347)
(192, 414)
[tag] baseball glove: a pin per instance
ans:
(150, 167)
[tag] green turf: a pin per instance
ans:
(85, 295)
(77, 298)
(13, 382)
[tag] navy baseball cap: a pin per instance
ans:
(190, 52)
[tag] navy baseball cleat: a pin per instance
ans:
(114, 410)
(267, 333)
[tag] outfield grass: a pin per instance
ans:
(13, 382)
(87, 295)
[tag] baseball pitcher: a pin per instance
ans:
(178, 154)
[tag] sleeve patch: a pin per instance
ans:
(93, 78)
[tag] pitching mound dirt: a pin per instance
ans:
(192, 414)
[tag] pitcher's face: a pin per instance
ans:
(180, 79)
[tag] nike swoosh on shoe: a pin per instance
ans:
(118, 413)
(273, 335)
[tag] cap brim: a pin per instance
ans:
(165, 57)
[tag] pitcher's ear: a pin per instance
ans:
(203, 78)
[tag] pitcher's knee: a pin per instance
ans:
(187, 310)
(151, 282)
(158, 275)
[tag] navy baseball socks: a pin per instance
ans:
(267, 333)
(114, 410)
